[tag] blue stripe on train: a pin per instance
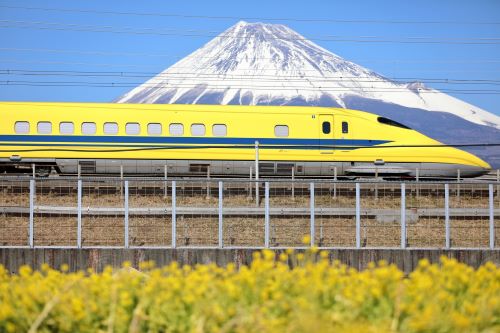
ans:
(189, 140)
(112, 147)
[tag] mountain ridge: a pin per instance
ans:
(271, 64)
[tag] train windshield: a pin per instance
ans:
(390, 122)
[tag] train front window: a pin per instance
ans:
(327, 127)
(391, 122)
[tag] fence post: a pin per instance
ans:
(257, 173)
(126, 214)
(250, 186)
(32, 208)
(492, 220)
(312, 213)
(335, 182)
(498, 183)
(121, 179)
(293, 183)
(174, 215)
(447, 215)
(165, 183)
(208, 182)
(266, 226)
(79, 216)
(417, 178)
(458, 183)
(221, 187)
(358, 217)
(403, 215)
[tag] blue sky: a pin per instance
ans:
(44, 41)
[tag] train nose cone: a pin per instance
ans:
(475, 167)
(475, 171)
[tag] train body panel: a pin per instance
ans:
(190, 138)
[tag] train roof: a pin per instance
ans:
(190, 107)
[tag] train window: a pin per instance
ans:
(198, 129)
(132, 128)
(89, 128)
(390, 122)
(110, 128)
(154, 129)
(176, 129)
(219, 130)
(281, 130)
(345, 127)
(44, 127)
(66, 127)
(22, 127)
(327, 127)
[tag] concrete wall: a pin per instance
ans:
(97, 259)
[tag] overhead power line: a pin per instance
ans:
(168, 55)
(263, 18)
(248, 77)
(259, 76)
(142, 65)
(385, 61)
(240, 86)
(106, 53)
(187, 33)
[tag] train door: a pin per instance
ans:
(326, 133)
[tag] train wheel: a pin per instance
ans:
(43, 171)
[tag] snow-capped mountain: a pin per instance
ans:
(257, 63)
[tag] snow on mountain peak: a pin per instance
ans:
(262, 63)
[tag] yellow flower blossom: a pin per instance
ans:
(268, 296)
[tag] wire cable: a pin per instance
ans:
(154, 31)
(216, 77)
(269, 88)
(317, 20)
(161, 55)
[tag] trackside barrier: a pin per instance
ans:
(215, 213)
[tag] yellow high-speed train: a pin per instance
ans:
(192, 139)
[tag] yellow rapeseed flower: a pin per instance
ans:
(269, 296)
(306, 240)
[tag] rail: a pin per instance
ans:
(70, 212)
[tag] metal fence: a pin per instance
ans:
(69, 212)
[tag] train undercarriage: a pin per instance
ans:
(243, 169)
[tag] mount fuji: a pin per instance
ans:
(270, 64)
